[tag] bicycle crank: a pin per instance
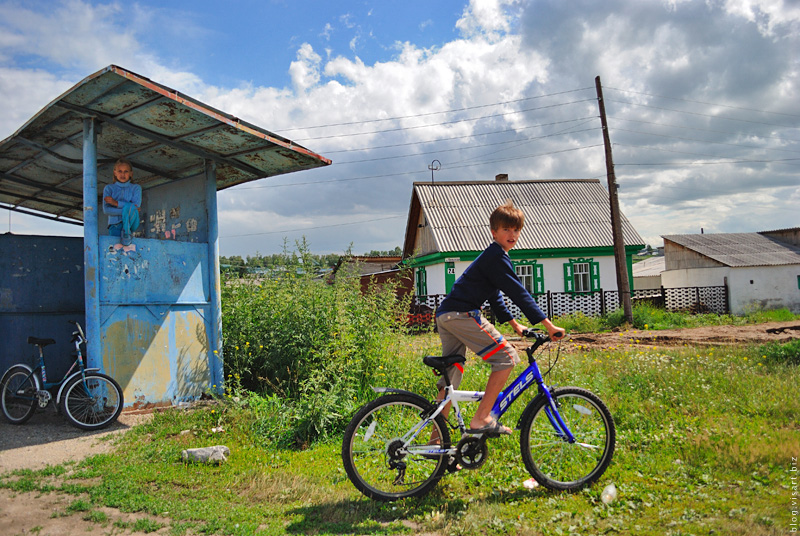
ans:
(472, 452)
(44, 398)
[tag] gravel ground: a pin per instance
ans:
(48, 439)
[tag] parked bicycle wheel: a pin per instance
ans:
(92, 404)
(550, 458)
(372, 451)
(18, 390)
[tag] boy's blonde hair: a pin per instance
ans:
(507, 216)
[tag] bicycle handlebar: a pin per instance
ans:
(539, 339)
(533, 334)
(80, 329)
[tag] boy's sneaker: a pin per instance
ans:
(126, 238)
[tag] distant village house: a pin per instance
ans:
(566, 245)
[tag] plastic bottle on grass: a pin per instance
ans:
(609, 494)
(530, 484)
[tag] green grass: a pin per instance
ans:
(705, 439)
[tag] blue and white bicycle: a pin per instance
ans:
(567, 434)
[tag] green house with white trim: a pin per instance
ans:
(565, 247)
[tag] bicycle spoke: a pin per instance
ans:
(376, 457)
(18, 395)
(555, 462)
(93, 402)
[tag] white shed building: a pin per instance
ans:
(762, 270)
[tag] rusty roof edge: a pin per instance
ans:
(180, 98)
(213, 112)
(510, 182)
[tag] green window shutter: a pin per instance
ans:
(568, 281)
(538, 278)
(422, 282)
(595, 268)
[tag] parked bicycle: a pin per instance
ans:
(567, 434)
(88, 399)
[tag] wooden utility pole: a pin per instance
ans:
(623, 284)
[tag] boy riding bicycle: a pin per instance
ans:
(462, 326)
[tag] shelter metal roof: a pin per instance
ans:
(166, 135)
(558, 213)
(739, 249)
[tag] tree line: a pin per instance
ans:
(309, 261)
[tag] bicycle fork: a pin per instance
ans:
(553, 415)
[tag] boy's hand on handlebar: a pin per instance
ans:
(519, 328)
(557, 334)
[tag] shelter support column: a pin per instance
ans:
(91, 252)
(215, 333)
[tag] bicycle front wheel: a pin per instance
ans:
(373, 454)
(550, 458)
(92, 403)
(18, 399)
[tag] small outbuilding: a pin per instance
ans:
(152, 311)
(647, 273)
(761, 270)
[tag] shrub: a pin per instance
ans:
(316, 346)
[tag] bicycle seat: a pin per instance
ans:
(442, 362)
(40, 342)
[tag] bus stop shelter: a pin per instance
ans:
(152, 311)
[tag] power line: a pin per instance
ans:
(698, 114)
(703, 102)
(438, 151)
(707, 141)
(785, 161)
(453, 138)
(399, 129)
(670, 125)
(468, 108)
(520, 143)
(416, 172)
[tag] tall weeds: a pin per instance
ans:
(312, 345)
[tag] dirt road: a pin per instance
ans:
(706, 336)
(47, 439)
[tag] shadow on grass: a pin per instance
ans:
(363, 516)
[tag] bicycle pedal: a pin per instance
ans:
(453, 467)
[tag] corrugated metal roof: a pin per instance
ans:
(739, 249)
(649, 267)
(166, 135)
(558, 213)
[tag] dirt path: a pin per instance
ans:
(706, 336)
(47, 439)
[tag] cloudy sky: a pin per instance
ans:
(702, 99)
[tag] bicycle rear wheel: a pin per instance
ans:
(18, 399)
(373, 454)
(550, 458)
(93, 403)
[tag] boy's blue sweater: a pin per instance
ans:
(483, 280)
